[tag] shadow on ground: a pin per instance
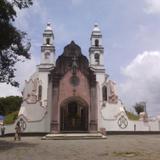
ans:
(6, 145)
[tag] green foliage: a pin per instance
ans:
(22, 3)
(10, 118)
(139, 107)
(132, 116)
(13, 42)
(9, 104)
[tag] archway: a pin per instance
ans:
(74, 115)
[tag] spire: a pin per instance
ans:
(48, 49)
(96, 50)
(48, 36)
(96, 36)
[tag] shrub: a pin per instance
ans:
(10, 118)
(132, 116)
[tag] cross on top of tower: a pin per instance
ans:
(96, 28)
(48, 27)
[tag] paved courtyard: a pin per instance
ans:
(116, 147)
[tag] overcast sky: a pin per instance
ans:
(131, 39)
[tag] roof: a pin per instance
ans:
(72, 50)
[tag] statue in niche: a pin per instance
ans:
(74, 80)
(113, 98)
(74, 66)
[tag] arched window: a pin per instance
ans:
(47, 41)
(39, 92)
(96, 58)
(104, 93)
(96, 42)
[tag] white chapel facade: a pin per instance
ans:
(73, 93)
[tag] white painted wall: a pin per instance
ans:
(36, 115)
(50, 59)
(100, 78)
(111, 114)
(31, 127)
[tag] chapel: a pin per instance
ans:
(73, 93)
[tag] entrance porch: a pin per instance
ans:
(74, 117)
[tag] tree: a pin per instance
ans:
(13, 42)
(140, 107)
(9, 104)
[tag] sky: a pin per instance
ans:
(131, 39)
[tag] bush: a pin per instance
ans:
(10, 118)
(140, 107)
(132, 116)
(9, 104)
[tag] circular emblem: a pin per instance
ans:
(122, 122)
(22, 124)
(74, 80)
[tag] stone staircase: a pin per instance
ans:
(73, 136)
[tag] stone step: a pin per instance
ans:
(73, 136)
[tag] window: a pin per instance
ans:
(47, 41)
(96, 58)
(96, 42)
(104, 93)
(39, 92)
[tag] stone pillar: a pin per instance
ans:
(50, 102)
(93, 111)
(55, 122)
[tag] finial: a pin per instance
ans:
(48, 27)
(96, 24)
(48, 24)
(96, 27)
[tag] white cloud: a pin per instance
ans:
(40, 9)
(8, 90)
(153, 6)
(36, 10)
(143, 81)
(24, 71)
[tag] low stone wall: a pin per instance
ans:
(122, 123)
(29, 127)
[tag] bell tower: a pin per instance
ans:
(96, 50)
(48, 48)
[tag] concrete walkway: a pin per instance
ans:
(117, 147)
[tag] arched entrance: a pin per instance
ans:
(74, 115)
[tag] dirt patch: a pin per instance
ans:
(126, 154)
